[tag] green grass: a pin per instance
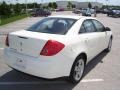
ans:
(12, 19)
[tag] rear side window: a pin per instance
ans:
(82, 29)
(98, 26)
(53, 25)
(89, 26)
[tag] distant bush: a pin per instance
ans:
(5, 10)
(17, 8)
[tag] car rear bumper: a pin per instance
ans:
(38, 66)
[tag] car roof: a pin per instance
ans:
(71, 17)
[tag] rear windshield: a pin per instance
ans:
(53, 25)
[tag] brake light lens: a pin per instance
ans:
(51, 48)
(7, 41)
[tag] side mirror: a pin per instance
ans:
(107, 29)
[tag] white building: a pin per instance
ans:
(63, 4)
(85, 5)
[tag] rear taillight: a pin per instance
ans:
(7, 41)
(51, 48)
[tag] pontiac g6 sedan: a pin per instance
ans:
(57, 46)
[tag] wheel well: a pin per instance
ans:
(84, 55)
(111, 37)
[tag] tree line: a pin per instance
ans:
(8, 10)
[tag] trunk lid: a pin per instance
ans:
(30, 43)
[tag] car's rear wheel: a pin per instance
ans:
(77, 70)
(109, 45)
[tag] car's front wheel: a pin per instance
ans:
(77, 70)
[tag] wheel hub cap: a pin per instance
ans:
(79, 68)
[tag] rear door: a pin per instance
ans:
(89, 34)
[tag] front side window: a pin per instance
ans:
(98, 26)
(88, 24)
(53, 25)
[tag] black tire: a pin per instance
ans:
(73, 72)
(108, 49)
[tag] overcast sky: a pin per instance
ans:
(111, 2)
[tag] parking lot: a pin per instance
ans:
(102, 73)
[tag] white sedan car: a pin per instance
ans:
(57, 46)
